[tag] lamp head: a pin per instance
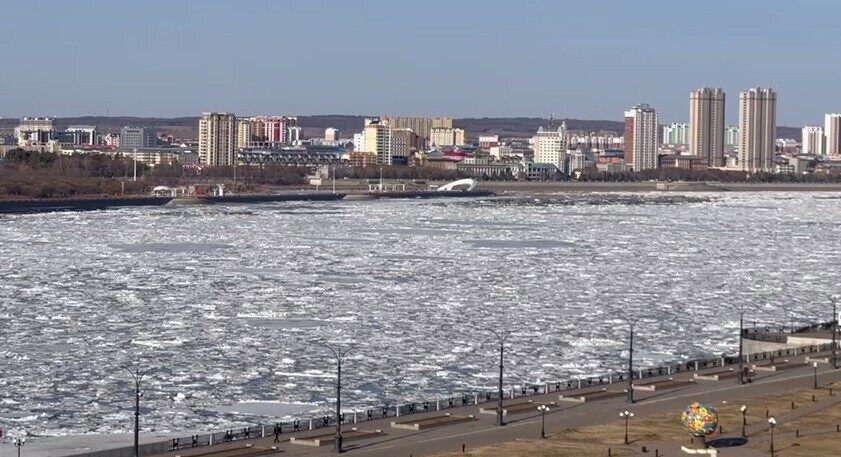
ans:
(772, 421)
(814, 364)
(743, 408)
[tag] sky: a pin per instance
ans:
(578, 59)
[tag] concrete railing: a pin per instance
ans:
(469, 399)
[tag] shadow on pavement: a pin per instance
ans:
(727, 442)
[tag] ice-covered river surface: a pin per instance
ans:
(227, 303)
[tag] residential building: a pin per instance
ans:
(550, 146)
(686, 162)
(832, 134)
(757, 127)
(404, 142)
(706, 125)
(217, 139)
(676, 134)
(420, 125)
(294, 134)
(377, 135)
(731, 135)
(812, 140)
(331, 134)
(641, 145)
(488, 141)
(446, 136)
(245, 132)
(132, 138)
(359, 142)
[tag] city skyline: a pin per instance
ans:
(155, 61)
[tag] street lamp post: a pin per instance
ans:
(741, 311)
(631, 323)
(744, 410)
(137, 376)
(815, 366)
(773, 422)
(834, 329)
(543, 410)
(18, 442)
(340, 356)
(502, 336)
(627, 416)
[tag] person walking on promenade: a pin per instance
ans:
(277, 432)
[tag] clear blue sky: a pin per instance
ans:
(582, 59)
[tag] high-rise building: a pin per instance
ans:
(446, 136)
(812, 140)
(132, 138)
(422, 126)
(403, 142)
(757, 128)
(217, 139)
(641, 145)
(550, 146)
(832, 134)
(245, 132)
(378, 140)
(731, 135)
(706, 125)
(331, 134)
(676, 134)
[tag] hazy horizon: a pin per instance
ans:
(496, 59)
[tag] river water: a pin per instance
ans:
(227, 304)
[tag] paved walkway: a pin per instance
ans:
(482, 432)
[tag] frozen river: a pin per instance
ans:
(226, 303)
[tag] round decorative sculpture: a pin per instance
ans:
(700, 419)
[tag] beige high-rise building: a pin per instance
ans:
(446, 136)
(832, 134)
(245, 132)
(757, 128)
(217, 139)
(378, 139)
(422, 126)
(706, 125)
(550, 146)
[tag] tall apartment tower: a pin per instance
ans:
(706, 125)
(217, 139)
(832, 134)
(812, 140)
(757, 127)
(641, 142)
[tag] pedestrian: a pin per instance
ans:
(277, 432)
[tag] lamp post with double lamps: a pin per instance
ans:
(340, 356)
(741, 310)
(18, 442)
(834, 329)
(744, 410)
(627, 416)
(137, 376)
(632, 322)
(815, 366)
(502, 336)
(773, 422)
(543, 410)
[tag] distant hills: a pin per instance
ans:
(187, 127)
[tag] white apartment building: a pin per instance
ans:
(676, 134)
(550, 146)
(832, 134)
(812, 141)
(731, 135)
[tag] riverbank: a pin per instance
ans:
(651, 186)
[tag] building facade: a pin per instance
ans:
(812, 140)
(331, 134)
(676, 134)
(217, 139)
(446, 136)
(641, 141)
(550, 146)
(706, 125)
(731, 135)
(757, 128)
(832, 134)
(132, 138)
(33, 131)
